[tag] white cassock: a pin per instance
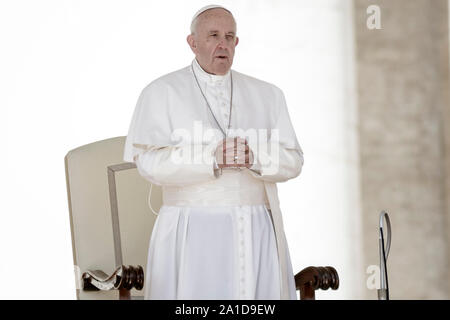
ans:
(216, 236)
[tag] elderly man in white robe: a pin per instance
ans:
(217, 141)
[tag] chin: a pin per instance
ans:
(222, 72)
(222, 68)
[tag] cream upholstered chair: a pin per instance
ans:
(111, 225)
(110, 220)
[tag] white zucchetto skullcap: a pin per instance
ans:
(211, 6)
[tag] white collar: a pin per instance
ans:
(214, 79)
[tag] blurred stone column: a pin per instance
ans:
(404, 118)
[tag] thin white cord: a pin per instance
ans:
(149, 200)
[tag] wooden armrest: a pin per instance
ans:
(312, 278)
(123, 279)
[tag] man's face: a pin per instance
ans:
(214, 41)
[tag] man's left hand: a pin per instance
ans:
(234, 152)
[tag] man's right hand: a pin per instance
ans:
(234, 152)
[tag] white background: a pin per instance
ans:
(71, 73)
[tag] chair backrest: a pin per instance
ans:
(110, 220)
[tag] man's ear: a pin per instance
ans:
(191, 41)
(237, 41)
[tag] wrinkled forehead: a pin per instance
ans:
(216, 19)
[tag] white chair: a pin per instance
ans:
(110, 220)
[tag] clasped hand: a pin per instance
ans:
(234, 152)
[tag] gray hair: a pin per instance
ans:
(195, 20)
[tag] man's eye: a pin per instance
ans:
(214, 35)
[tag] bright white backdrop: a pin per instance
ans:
(71, 72)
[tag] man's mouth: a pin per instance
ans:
(221, 57)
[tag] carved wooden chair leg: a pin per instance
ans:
(123, 279)
(312, 278)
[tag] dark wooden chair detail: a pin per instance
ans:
(123, 279)
(311, 279)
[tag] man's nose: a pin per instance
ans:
(222, 43)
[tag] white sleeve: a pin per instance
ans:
(277, 166)
(281, 157)
(170, 165)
